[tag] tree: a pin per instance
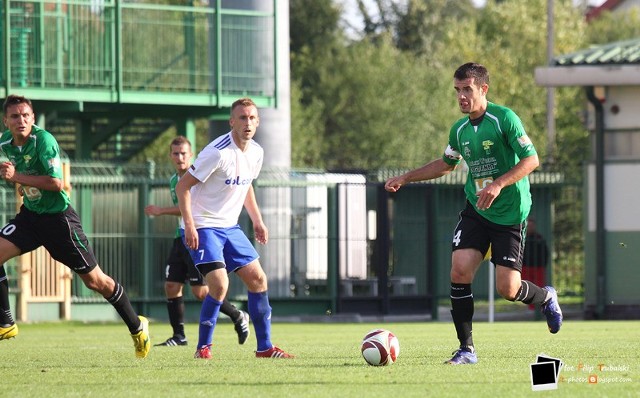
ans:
(610, 27)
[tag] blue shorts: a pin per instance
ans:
(226, 245)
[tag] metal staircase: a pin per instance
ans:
(113, 141)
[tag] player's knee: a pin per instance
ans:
(199, 292)
(258, 282)
(507, 292)
(102, 284)
(173, 289)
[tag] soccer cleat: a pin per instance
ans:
(551, 310)
(273, 352)
(141, 340)
(242, 327)
(9, 332)
(203, 352)
(462, 357)
(172, 342)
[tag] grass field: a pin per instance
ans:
(97, 360)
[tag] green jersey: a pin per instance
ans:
(490, 149)
(39, 156)
(173, 181)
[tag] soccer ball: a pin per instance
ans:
(380, 347)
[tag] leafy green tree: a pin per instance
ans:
(611, 27)
(423, 26)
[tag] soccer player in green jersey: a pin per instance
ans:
(180, 267)
(47, 219)
(499, 156)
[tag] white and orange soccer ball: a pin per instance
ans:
(380, 347)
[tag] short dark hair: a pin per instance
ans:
(179, 140)
(242, 102)
(14, 99)
(471, 69)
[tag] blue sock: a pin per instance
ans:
(208, 318)
(260, 313)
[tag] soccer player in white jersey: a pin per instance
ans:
(180, 268)
(210, 196)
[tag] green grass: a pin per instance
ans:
(83, 360)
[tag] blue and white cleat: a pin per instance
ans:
(551, 310)
(462, 357)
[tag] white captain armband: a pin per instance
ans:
(452, 154)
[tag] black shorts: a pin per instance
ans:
(476, 232)
(60, 233)
(180, 267)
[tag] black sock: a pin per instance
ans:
(5, 308)
(230, 310)
(175, 306)
(120, 301)
(530, 293)
(462, 313)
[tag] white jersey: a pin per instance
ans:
(225, 174)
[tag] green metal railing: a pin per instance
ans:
(120, 51)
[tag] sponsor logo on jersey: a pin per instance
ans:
(487, 146)
(26, 158)
(238, 181)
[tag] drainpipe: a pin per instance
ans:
(600, 247)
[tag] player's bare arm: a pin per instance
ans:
(259, 228)
(434, 169)
(184, 203)
(45, 183)
(523, 168)
(153, 210)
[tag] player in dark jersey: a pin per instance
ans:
(180, 267)
(47, 219)
(499, 156)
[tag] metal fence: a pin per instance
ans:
(337, 241)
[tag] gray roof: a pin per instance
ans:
(617, 53)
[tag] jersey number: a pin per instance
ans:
(481, 183)
(8, 229)
(456, 237)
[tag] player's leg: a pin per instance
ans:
(239, 318)
(16, 239)
(508, 247)
(217, 280)
(175, 310)
(210, 262)
(200, 291)
(255, 279)
(8, 327)
(115, 294)
(464, 264)
(67, 243)
(176, 272)
(469, 245)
